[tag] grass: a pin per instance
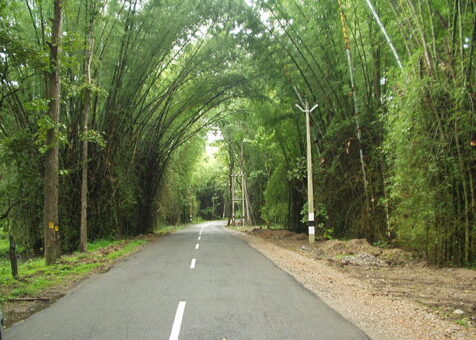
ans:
(36, 276)
(463, 322)
(5, 245)
(162, 230)
(99, 244)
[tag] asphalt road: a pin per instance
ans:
(199, 283)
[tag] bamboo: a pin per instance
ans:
(83, 244)
(384, 31)
(350, 65)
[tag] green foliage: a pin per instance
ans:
(299, 171)
(465, 322)
(162, 230)
(275, 211)
(328, 234)
(37, 276)
(4, 244)
(163, 72)
(21, 188)
(93, 136)
(428, 178)
(46, 124)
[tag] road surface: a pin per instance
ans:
(198, 283)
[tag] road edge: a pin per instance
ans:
(353, 301)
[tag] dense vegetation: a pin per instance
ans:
(394, 134)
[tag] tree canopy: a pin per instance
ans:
(393, 137)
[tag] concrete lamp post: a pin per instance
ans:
(310, 189)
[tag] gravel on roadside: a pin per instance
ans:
(380, 317)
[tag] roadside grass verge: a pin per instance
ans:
(249, 228)
(166, 229)
(36, 276)
(37, 279)
(40, 285)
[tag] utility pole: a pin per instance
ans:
(191, 206)
(249, 216)
(224, 207)
(235, 197)
(310, 189)
(243, 203)
(214, 205)
(232, 199)
(243, 211)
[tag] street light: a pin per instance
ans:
(310, 190)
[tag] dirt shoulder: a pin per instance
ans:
(386, 292)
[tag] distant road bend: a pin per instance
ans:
(198, 283)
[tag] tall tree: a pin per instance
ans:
(51, 223)
(91, 10)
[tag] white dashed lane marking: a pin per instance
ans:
(174, 334)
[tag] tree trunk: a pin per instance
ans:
(224, 207)
(145, 219)
(83, 246)
(51, 225)
(12, 254)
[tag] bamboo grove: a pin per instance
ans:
(394, 134)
